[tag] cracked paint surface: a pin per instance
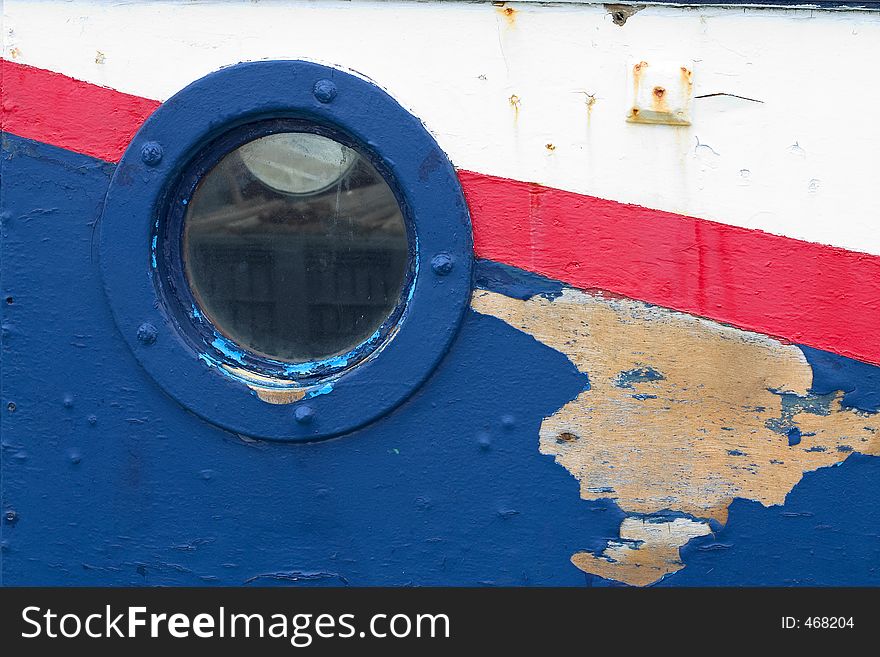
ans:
(682, 415)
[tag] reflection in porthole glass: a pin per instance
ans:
(295, 247)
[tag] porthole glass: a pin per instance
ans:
(295, 247)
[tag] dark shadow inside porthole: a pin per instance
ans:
(295, 247)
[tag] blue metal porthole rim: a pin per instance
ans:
(404, 152)
(167, 262)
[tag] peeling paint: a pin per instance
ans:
(647, 550)
(713, 418)
(334, 482)
(621, 13)
(297, 576)
(271, 391)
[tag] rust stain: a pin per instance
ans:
(658, 100)
(567, 437)
(508, 13)
(590, 100)
(683, 414)
(687, 77)
(550, 147)
(515, 104)
(638, 69)
(666, 105)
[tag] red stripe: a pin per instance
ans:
(822, 296)
(64, 112)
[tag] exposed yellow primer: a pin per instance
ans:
(647, 550)
(683, 414)
(268, 389)
(278, 395)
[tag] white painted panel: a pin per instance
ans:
(800, 163)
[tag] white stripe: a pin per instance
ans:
(802, 163)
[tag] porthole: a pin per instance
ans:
(294, 250)
(295, 247)
(286, 250)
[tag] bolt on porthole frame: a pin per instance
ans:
(141, 258)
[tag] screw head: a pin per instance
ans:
(324, 90)
(304, 414)
(442, 264)
(147, 333)
(151, 153)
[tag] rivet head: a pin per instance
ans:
(484, 440)
(324, 90)
(304, 414)
(151, 153)
(147, 333)
(442, 264)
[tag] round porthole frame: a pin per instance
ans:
(218, 384)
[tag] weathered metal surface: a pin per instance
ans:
(715, 425)
(682, 415)
(770, 166)
(662, 93)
